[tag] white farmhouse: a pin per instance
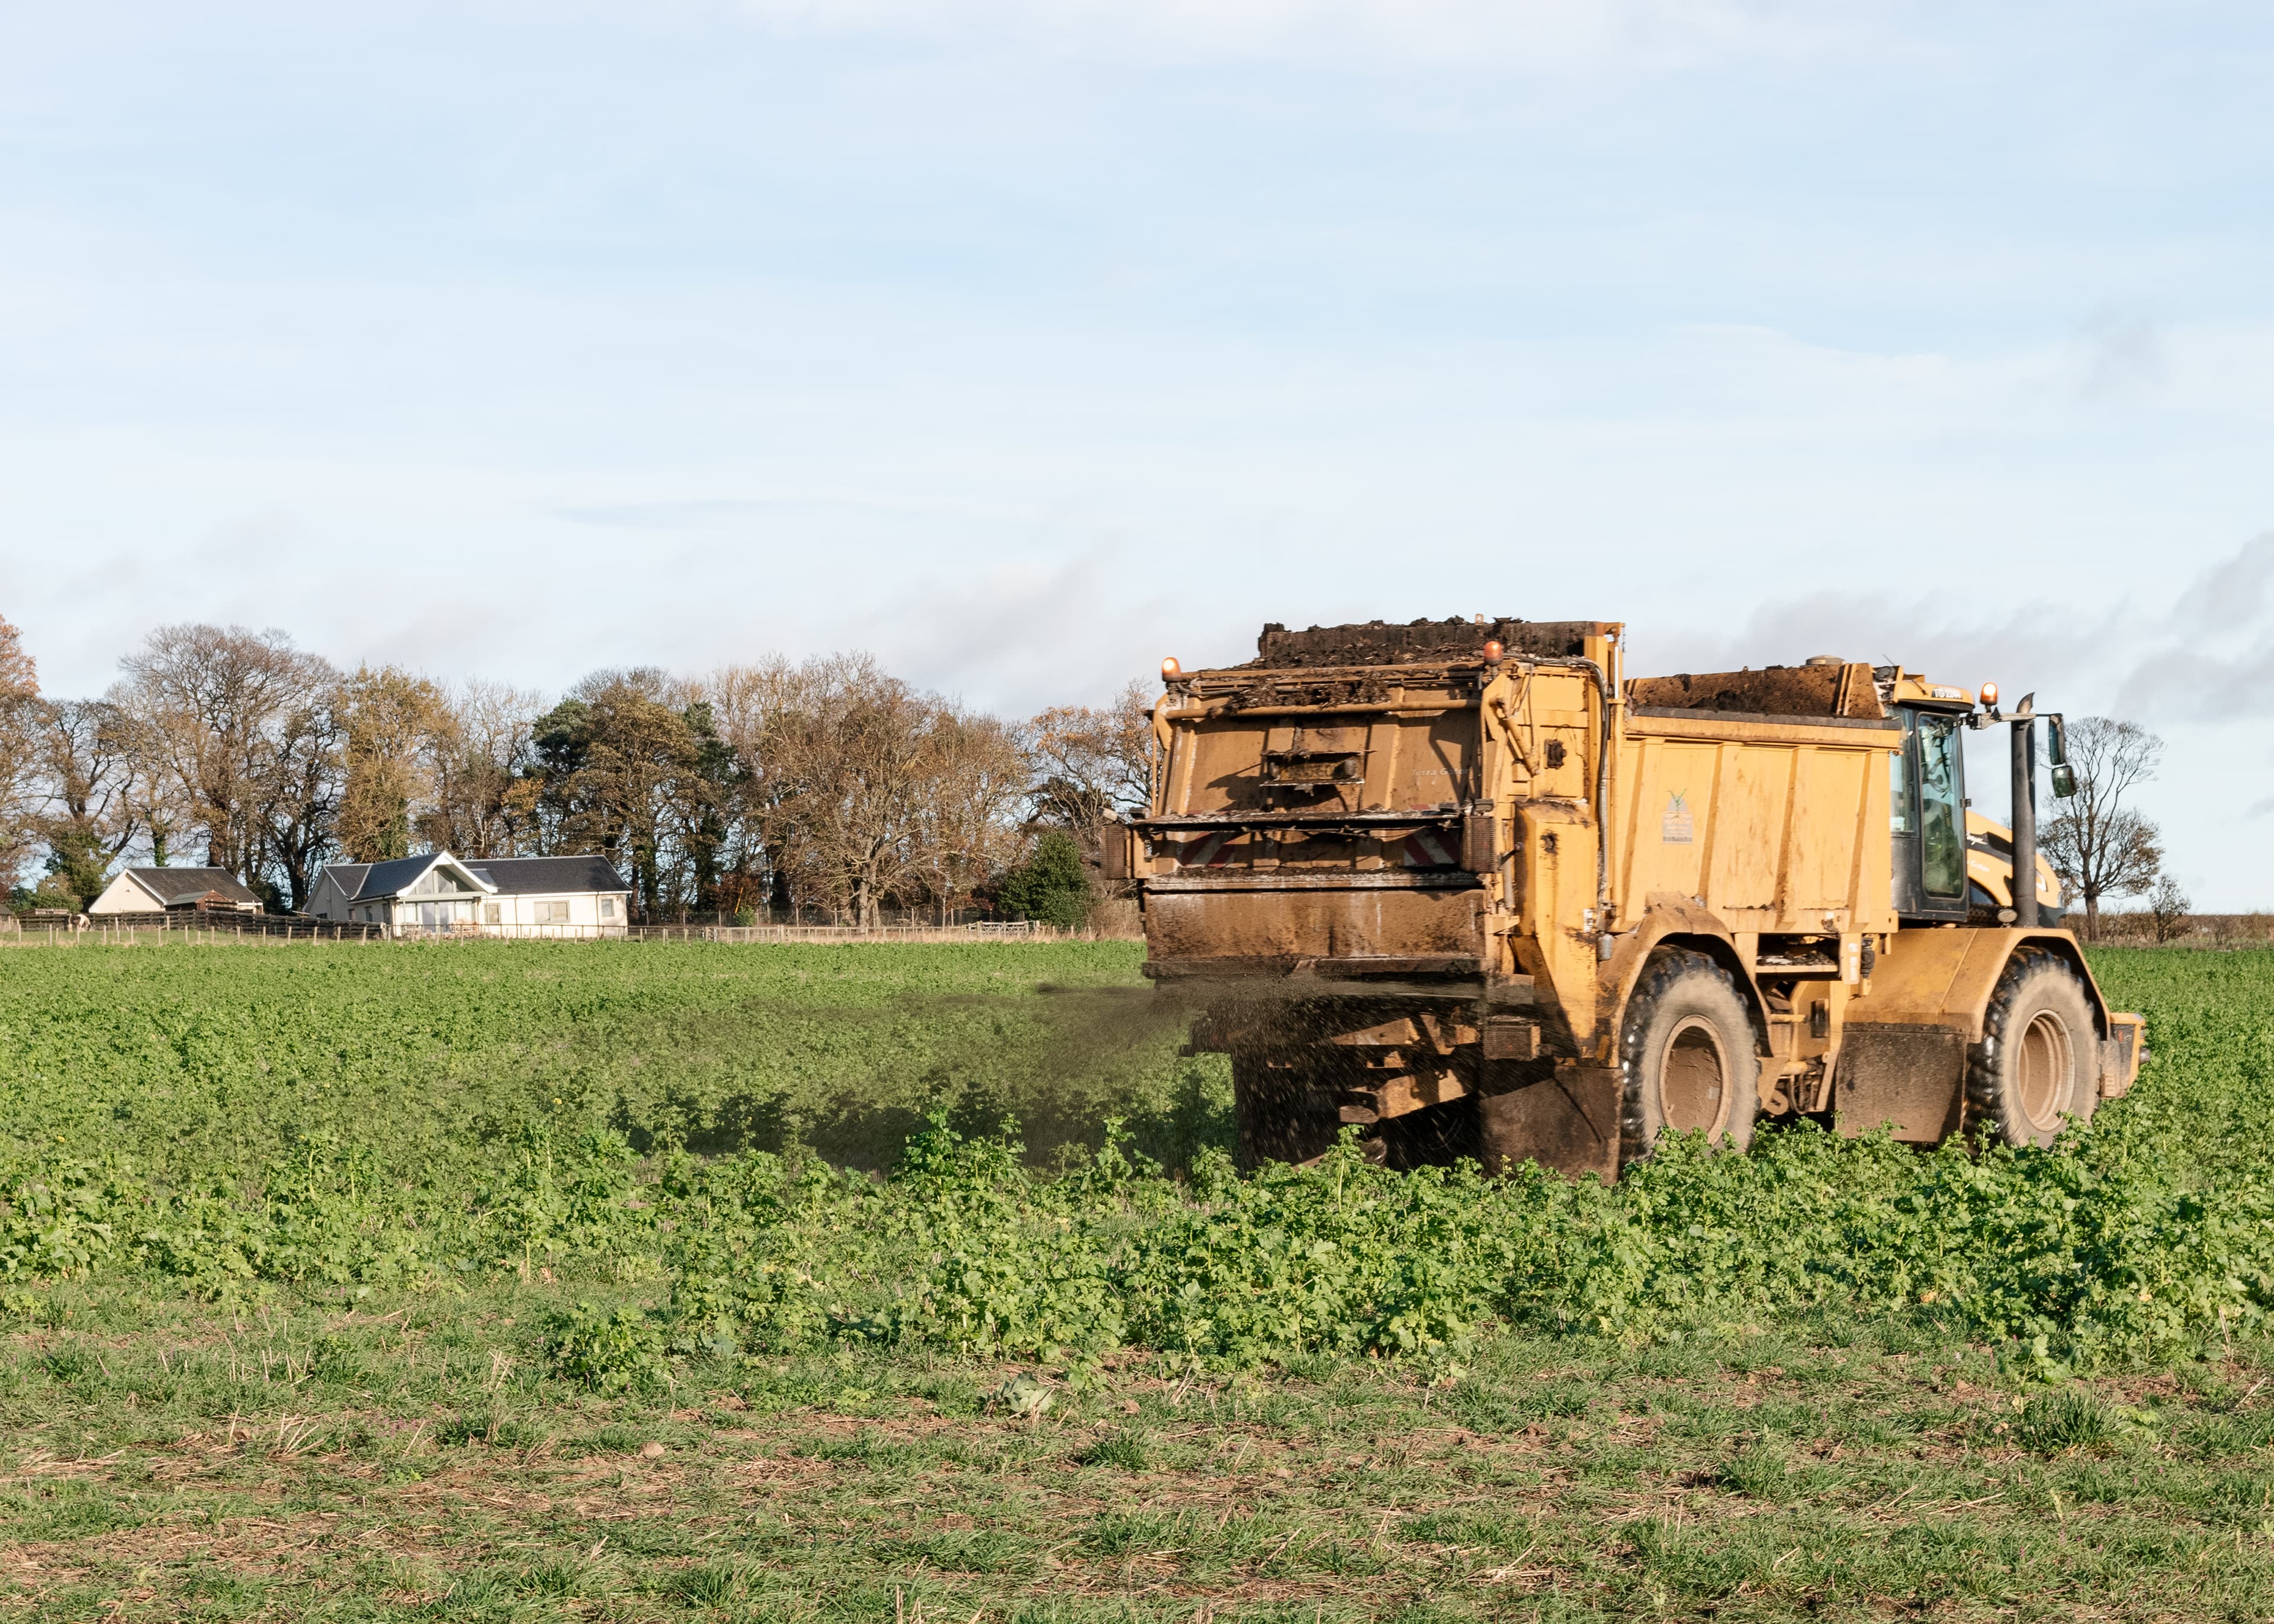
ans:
(439, 894)
(157, 891)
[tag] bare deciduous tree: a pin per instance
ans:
(845, 752)
(966, 822)
(299, 778)
(20, 752)
(2168, 906)
(2100, 846)
(243, 728)
(478, 760)
(855, 789)
(88, 776)
(1091, 761)
(154, 799)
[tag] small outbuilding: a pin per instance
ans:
(162, 890)
(439, 894)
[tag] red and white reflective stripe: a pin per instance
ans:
(1426, 850)
(1208, 852)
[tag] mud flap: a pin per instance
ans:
(1913, 1078)
(2120, 1054)
(1568, 1122)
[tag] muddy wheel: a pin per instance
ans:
(2039, 1055)
(1279, 1110)
(1687, 1055)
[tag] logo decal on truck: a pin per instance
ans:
(1677, 827)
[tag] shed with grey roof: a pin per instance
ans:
(158, 889)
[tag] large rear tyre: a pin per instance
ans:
(1687, 1055)
(1279, 1110)
(2039, 1053)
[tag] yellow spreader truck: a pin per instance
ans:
(1466, 886)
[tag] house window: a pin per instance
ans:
(552, 913)
(492, 914)
(607, 908)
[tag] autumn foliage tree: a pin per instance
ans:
(394, 722)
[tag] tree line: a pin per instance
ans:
(824, 788)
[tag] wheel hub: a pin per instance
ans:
(1694, 1077)
(2041, 1067)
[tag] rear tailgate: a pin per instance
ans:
(1313, 815)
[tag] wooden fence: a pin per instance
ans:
(214, 929)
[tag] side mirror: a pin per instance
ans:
(2064, 780)
(2057, 742)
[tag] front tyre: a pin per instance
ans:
(2037, 1057)
(1687, 1055)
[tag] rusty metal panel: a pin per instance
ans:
(1314, 922)
(1390, 761)
(1912, 1078)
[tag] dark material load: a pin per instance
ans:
(1778, 690)
(1380, 642)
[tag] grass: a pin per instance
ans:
(408, 1460)
(336, 1450)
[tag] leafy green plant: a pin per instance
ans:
(607, 1349)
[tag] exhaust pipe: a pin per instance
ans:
(2025, 818)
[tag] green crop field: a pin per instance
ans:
(520, 1281)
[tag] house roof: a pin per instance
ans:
(364, 882)
(506, 876)
(173, 885)
(522, 876)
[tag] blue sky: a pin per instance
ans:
(1022, 343)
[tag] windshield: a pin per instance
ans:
(1942, 841)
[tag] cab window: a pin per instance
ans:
(1942, 814)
